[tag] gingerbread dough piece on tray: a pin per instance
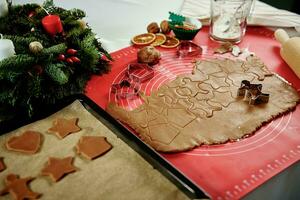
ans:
(57, 168)
(2, 165)
(18, 188)
(63, 127)
(92, 146)
(203, 107)
(28, 142)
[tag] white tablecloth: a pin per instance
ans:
(261, 13)
(116, 21)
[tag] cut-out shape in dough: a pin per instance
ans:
(223, 98)
(163, 133)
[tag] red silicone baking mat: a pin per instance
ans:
(231, 170)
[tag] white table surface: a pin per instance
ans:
(116, 21)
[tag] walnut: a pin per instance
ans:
(82, 24)
(35, 47)
(164, 26)
(153, 28)
(149, 55)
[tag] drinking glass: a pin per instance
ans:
(228, 20)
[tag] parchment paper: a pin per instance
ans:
(119, 174)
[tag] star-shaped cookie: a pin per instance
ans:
(63, 127)
(56, 168)
(18, 188)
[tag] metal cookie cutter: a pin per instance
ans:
(140, 73)
(135, 74)
(126, 89)
(252, 93)
(187, 48)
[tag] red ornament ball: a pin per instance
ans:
(61, 57)
(75, 59)
(71, 51)
(69, 60)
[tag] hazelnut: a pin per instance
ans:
(164, 26)
(153, 28)
(149, 55)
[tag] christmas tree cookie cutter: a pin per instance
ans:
(252, 93)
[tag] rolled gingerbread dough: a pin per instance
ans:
(203, 107)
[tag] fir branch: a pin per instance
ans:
(73, 14)
(56, 73)
(19, 40)
(11, 68)
(34, 85)
(10, 93)
(89, 55)
(21, 43)
(56, 49)
(74, 32)
(6, 91)
(101, 49)
(48, 4)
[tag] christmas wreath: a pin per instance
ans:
(55, 53)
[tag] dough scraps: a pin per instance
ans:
(63, 127)
(18, 188)
(2, 165)
(56, 168)
(203, 107)
(28, 142)
(92, 146)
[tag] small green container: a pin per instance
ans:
(180, 33)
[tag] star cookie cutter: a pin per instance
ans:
(139, 72)
(126, 89)
(252, 93)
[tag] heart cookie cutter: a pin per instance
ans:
(187, 48)
(252, 93)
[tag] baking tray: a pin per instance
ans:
(147, 152)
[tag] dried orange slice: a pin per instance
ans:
(143, 39)
(159, 40)
(171, 42)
